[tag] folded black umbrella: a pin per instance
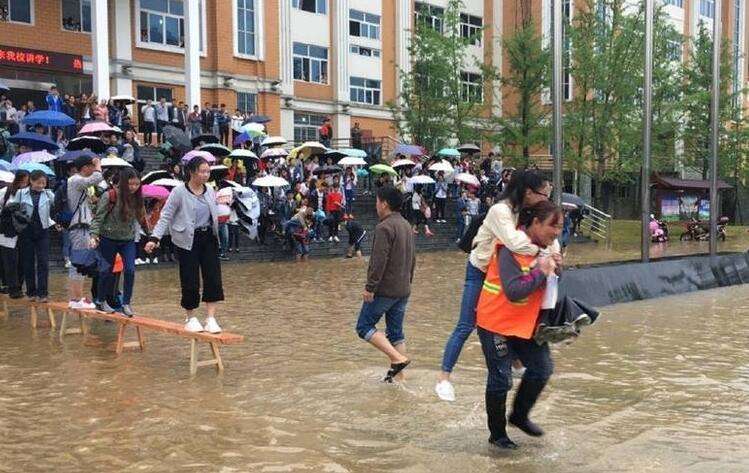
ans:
(564, 321)
(204, 139)
(178, 138)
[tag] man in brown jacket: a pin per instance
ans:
(391, 269)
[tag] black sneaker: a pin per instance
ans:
(3, 289)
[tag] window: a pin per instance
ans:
(362, 51)
(471, 87)
(146, 92)
(365, 90)
(310, 63)
(306, 126)
(76, 15)
(429, 15)
(246, 29)
(707, 8)
(17, 11)
(674, 51)
(364, 25)
(312, 6)
(247, 102)
(676, 3)
(162, 22)
(470, 28)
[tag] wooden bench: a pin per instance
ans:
(140, 324)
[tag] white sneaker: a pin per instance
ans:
(193, 325)
(211, 326)
(139, 262)
(73, 305)
(82, 304)
(518, 373)
(330, 239)
(155, 261)
(337, 240)
(68, 264)
(445, 391)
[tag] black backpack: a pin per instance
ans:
(61, 212)
(466, 241)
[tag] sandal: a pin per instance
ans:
(395, 368)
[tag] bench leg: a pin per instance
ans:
(33, 317)
(122, 344)
(4, 312)
(64, 330)
(193, 357)
(217, 357)
(195, 363)
(52, 321)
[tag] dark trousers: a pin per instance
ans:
(201, 260)
(439, 208)
(108, 249)
(35, 257)
(160, 130)
(10, 269)
(333, 220)
(223, 130)
(234, 236)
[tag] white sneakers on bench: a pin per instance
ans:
(83, 304)
(211, 326)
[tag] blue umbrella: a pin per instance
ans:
(409, 150)
(259, 119)
(241, 139)
(35, 141)
(73, 155)
(355, 153)
(6, 166)
(31, 167)
(3, 86)
(48, 118)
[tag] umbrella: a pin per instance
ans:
(572, 199)
(335, 155)
(217, 171)
(442, 166)
(352, 161)
(307, 149)
(253, 129)
(217, 150)
(328, 170)
(154, 176)
(71, 156)
(35, 141)
(115, 162)
(33, 157)
(7, 176)
(95, 127)
(178, 138)
(270, 181)
(91, 142)
(469, 179)
(382, 169)
(205, 139)
(451, 152)
(259, 119)
(6, 166)
(154, 192)
(353, 152)
(196, 152)
(361, 172)
(166, 182)
(127, 99)
(422, 179)
(241, 139)
(402, 163)
(564, 321)
(117, 130)
(469, 148)
(274, 153)
(242, 154)
(3, 86)
(31, 167)
(409, 150)
(569, 206)
(48, 118)
(274, 141)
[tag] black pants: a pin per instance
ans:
(160, 130)
(234, 236)
(10, 269)
(333, 220)
(439, 207)
(223, 130)
(201, 260)
(35, 256)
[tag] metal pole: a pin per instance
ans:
(557, 86)
(714, 124)
(647, 119)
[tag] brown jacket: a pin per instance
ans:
(391, 266)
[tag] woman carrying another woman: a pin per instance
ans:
(191, 217)
(507, 312)
(500, 225)
(9, 237)
(114, 228)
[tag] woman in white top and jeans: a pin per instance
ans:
(500, 225)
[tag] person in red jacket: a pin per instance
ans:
(334, 209)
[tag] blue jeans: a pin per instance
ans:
(460, 226)
(34, 244)
(371, 313)
(108, 249)
(467, 319)
(66, 244)
(350, 196)
(223, 238)
(500, 351)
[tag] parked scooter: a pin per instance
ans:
(697, 230)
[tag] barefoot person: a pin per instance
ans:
(191, 217)
(391, 269)
(506, 315)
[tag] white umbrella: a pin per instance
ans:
(242, 153)
(422, 179)
(352, 161)
(402, 162)
(115, 162)
(273, 141)
(442, 166)
(166, 182)
(270, 181)
(123, 98)
(469, 179)
(6, 176)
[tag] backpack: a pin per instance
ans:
(61, 212)
(466, 241)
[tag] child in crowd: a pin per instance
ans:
(355, 237)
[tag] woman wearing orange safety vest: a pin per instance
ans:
(506, 316)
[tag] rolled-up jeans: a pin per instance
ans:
(466, 320)
(394, 310)
(108, 249)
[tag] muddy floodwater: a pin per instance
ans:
(654, 386)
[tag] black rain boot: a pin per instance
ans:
(496, 419)
(525, 398)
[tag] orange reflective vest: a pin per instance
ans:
(497, 314)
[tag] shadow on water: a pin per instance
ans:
(660, 385)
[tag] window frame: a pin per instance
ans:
(259, 31)
(80, 12)
(297, 5)
(473, 32)
(675, 3)
(710, 8)
(365, 22)
(376, 53)
(364, 89)
(310, 58)
(434, 13)
(254, 101)
(139, 43)
(467, 87)
(32, 15)
(308, 126)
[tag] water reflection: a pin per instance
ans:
(654, 386)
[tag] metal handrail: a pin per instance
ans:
(597, 223)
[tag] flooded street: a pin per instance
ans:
(654, 386)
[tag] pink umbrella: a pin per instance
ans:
(155, 192)
(196, 152)
(468, 179)
(95, 127)
(33, 157)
